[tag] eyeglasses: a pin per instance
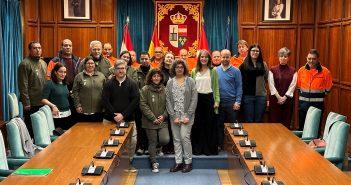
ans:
(158, 51)
(144, 59)
(254, 50)
(179, 67)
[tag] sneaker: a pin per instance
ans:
(140, 152)
(131, 169)
(146, 152)
(155, 167)
(160, 154)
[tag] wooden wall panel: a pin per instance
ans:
(335, 55)
(306, 43)
(347, 5)
(345, 108)
(247, 11)
(81, 38)
(107, 16)
(306, 11)
(271, 40)
(249, 34)
(345, 65)
(53, 29)
(30, 10)
(336, 12)
(46, 41)
(322, 44)
(106, 35)
(47, 16)
(323, 10)
(31, 34)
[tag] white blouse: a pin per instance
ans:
(203, 82)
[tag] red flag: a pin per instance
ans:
(154, 42)
(127, 43)
(203, 44)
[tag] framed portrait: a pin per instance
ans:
(76, 9)
(277, 10)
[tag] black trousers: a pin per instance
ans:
(27, 120)
(303, 108)
(142, 140)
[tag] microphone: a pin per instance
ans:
(92, 169)
(264, 169)
(79, 182)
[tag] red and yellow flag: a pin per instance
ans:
(154, 42)
(127, 43)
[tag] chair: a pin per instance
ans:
(7, 163)
(40, 129)
(331, 119)
(15, 143)
(13, 103)
(49, 120)
(336, 143)
(310, 129)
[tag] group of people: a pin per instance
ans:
(171, 107)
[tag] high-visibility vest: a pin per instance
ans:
(313, 84)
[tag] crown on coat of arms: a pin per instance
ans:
(178, 18)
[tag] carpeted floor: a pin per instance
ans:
(164, 177)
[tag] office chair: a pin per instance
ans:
(310, 129)
(49, 120)
(40, 129)
(13, 103)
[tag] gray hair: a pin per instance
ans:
(94, 42)
(120, 62)
(284, 52)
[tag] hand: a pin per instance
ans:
(186, 120)
(236, 106)
(55, 111)
(27, 108)
(118, 117)
(216, 105)
(267, 103)
(79, 109)
(283, 100)
(161, 119)
(176, 121)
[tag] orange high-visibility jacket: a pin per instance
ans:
(313, 84)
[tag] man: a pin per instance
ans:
(135, 64)
(66, 58)
(313, 82)
(216, 58)
(107, 52)
(31, 80)
(101, 63)
(142, 141)
(230, 91)
(120, 97)
(156, 60)
(191, 62)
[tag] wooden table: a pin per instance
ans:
(75, 149)
(293, 160)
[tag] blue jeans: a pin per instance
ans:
(226, 115)
(254, 108)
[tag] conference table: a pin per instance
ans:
(73, 150)
(294, 161)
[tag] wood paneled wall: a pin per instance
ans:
(321, 24)
(297, 34)
(43, 21)
(333, 40)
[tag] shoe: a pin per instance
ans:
(155, 167)
(131, 169)
(140, 151)
(187, 168)
(160, 154)
(176, 167)
(146, 152)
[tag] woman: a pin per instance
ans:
(126, 56)
(87, 93)
(203, 134)
(181, 96)
(55, 95)
(154, 114)
(282, 82)
(254, 74)
(165, 66)
(239, 58)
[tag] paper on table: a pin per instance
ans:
(33, 171)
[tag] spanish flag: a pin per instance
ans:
(154, 42)
(203, 44)
(127, 43)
